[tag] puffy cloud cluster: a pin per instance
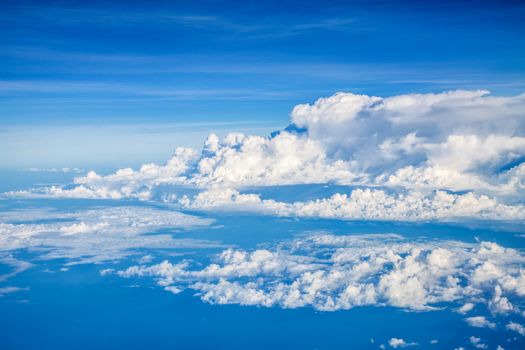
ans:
(457, 140)
(93, 235)
(330, 273)
(282, 159)
(467, 135)
(125, 183)
(477, 343)
(368, 204)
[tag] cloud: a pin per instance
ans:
(95, 235)
(480, 322)
(368, 204)
(399, 343)
(456, 132)
(466, 308)
(331, 273)
(516, 327)
(56, 170)
(476, 342)
(409, 149)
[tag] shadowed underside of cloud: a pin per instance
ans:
(414, 146)
(330, 273)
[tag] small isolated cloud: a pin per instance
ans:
(399, 343)
(466, 308)
(516, 327)
(363, 204)
(477, 343)
(480, 322)
(500, 304)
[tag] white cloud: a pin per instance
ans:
(125, 183)
(480, 322)
(476, 342)
(95, 235)
(371, 204)
(56, 170)
(516, 327)
(457, 140)
(330, 273)
(500, 304)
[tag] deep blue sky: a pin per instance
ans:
(66, 63)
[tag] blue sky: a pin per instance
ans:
(70, 64)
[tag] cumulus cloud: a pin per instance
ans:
(56, 170)
(427, 137)
(399, 343)
(516, 327)
(330, 273)
(457, 140)
(370, 204)
(477, 343)
(480, 322)
(94, 235)
(466, 308)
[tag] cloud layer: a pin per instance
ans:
(329, 273)
(363, 204)
(95, 235)
(414, 146)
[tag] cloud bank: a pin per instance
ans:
(359, 204)
(409, 146)
(94, 235)
(328, 273)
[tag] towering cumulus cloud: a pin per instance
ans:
(406, 146)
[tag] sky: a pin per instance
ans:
(262, 174)
(143, 72)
